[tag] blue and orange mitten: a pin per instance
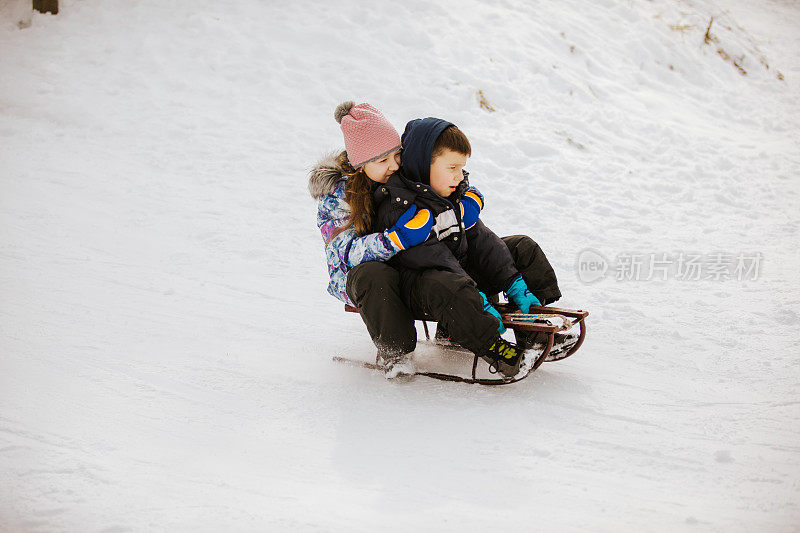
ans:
(471, 207)
(412, 228)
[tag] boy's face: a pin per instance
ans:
(381, 169)
(446, 172)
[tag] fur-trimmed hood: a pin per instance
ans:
(324, 176)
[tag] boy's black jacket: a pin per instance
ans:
(478, 252)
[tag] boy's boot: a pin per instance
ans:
(503, 357)
(562, 343)
(537, 340)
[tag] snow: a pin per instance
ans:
(166, 337)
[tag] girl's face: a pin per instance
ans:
(381, 169)
(446, 172)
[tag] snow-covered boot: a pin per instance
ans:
(562, 343)
(503, 357)
(396, 365)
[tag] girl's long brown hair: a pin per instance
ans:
(358, 195)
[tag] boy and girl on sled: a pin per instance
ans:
(404, 239)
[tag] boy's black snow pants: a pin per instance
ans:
(539, 276)
(531, 262)
(453, 301)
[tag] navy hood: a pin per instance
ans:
(417, 142)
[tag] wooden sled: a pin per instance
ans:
(521, 325)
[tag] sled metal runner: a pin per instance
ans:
(521, 325)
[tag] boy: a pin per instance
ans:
(447, 277)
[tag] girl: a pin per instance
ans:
(344, 186)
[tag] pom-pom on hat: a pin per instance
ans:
(367, 134)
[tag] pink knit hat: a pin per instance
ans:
(367, 134)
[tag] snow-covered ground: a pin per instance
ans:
(166, 337)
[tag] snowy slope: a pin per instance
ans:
(165, 334)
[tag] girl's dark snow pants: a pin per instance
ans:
(375, 289)
(445, 297)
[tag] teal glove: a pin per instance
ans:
(489, 308)
(471, 205)
(410, 229)
(519, 294)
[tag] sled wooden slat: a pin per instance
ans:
(444, 377)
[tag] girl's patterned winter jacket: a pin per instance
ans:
(344, 249)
